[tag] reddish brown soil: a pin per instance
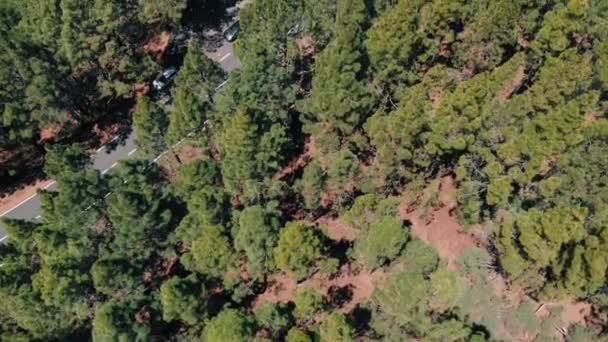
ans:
(336, 229)
(359, 285)
(590, 119)
(441, 229)
(140, 89)
(48, 133)
(106, 134)
(281, 289)
(157, 44)
(514, 84)
(186, 154)
(296, 164)
(573, 311)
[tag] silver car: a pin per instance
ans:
(164, 79)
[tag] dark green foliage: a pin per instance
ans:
(308, 302)
(339, 71)
(193, 94)
(275, 317)
(312, 184)
(256, 235)
(137, 210)
(150, 125)
(298, 249)
(153, 11)
(335, 328)
(111, 275)
(381, 242)
(195, 176)
(250, 154)
(298, 335)
(229, 325)
(115, 321)
(64, 161)
(211, 253)
(181, 299)
(386, 98)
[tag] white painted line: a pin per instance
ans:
(113, 165)
(221, 85)
(2, 239)
(179, 143)
(108, 194)
(225, 56)
(101, 148)
(37, 217)
(105, 171)
(49, 185)
(18, 205)
(132, 151)
(116, 137)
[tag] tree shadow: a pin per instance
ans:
(202, 15)
(360, 318)
(339, 296)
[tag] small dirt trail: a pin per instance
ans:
(298, 163)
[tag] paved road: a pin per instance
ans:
(107, 157)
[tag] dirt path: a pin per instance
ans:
(298, 163)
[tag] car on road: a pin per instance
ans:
(164, 79)
(232, 32)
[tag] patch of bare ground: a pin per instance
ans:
(440, 228)
(157, 44)
(10, 201)
(572, 311)
(344, 290)
(181, 155)
(49, 133)
(188, 153)
(514, 84)
(590, 118)
(336, 229)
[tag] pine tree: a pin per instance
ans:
(340, 100)
(150, 125)
(193, 94)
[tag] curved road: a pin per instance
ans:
(105, 158)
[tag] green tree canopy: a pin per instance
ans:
(298, 249)
(229, 325)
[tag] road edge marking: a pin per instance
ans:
(225, 56)
(18, 205)
(49, 185)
